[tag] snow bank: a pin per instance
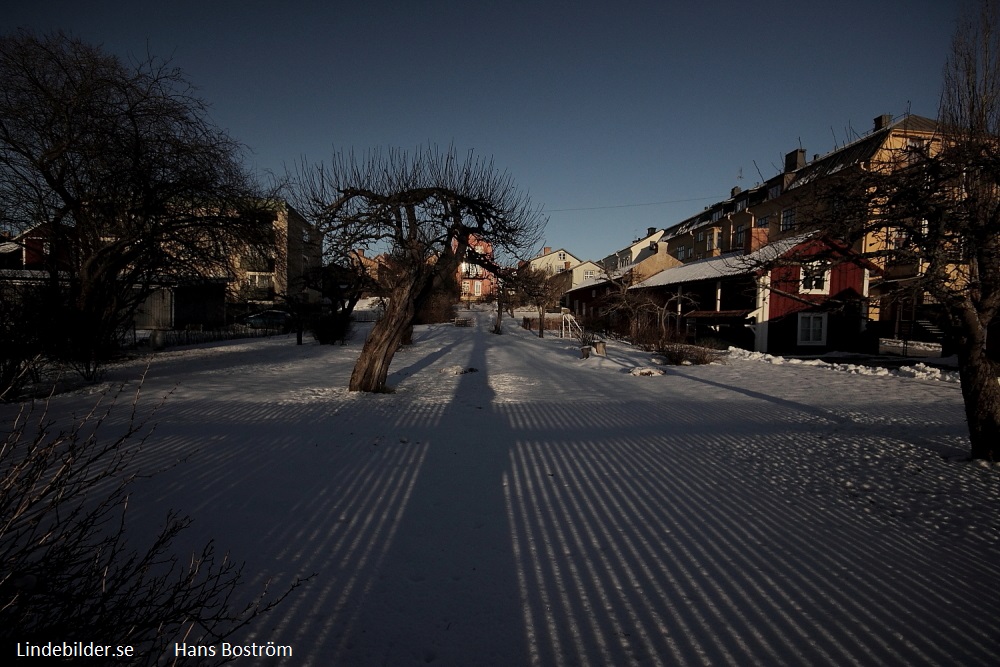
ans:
(919, 371)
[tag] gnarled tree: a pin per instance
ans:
(419, 210)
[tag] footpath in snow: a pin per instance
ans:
(551, 510)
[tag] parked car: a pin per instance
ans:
(277, 320)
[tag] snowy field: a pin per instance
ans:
(551, 510)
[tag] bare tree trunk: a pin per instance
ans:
(541, 322)
(389, 332)
(498, 323)
(980, 389)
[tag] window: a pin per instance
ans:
(589, 274)
(701, 236)
(815, 278)
(812, 329)
(741, 205)
(717, 215)
(712, 243)
(787, 219)
(916, 149)
(562, 257)
(774, 191)
(681, 252)
(763, 222)
(465, 287)
(739, 236)
(479, 288)
(898, 237)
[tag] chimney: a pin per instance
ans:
(795, 160)
(546, 250)
(735, 191)
(650, 231)
(883, 121)
(756, 239)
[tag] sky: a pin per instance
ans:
(613, 120)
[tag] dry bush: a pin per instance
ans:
(681, 354)
(67, 569)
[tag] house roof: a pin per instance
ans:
(554, 252)
(723, 265)
(859, 151)
(853, 153)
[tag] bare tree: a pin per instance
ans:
(639, 310)
(929, 214)
(118, 168)
(420, 210)
(505, 280)
(536, 287)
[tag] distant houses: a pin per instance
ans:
(755, 271)
(203, 297)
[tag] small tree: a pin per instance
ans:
(536, 287)
(421, 210)
(505, 280)
(638, 309)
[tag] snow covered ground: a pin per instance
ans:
(549, 510)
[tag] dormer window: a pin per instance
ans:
(815, 278)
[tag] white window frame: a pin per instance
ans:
(739, 235)
(477, 288)
(812, 272)
(465, 287)
(801, 328)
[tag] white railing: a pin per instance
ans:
(570, 327)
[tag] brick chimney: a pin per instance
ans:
(883, 121)
(546, 250)
(795, 160)
(756, 239)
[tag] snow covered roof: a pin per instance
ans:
(724, 265)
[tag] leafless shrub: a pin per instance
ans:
(680, 354)
(68, 571)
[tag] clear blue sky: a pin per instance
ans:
(595, 110)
